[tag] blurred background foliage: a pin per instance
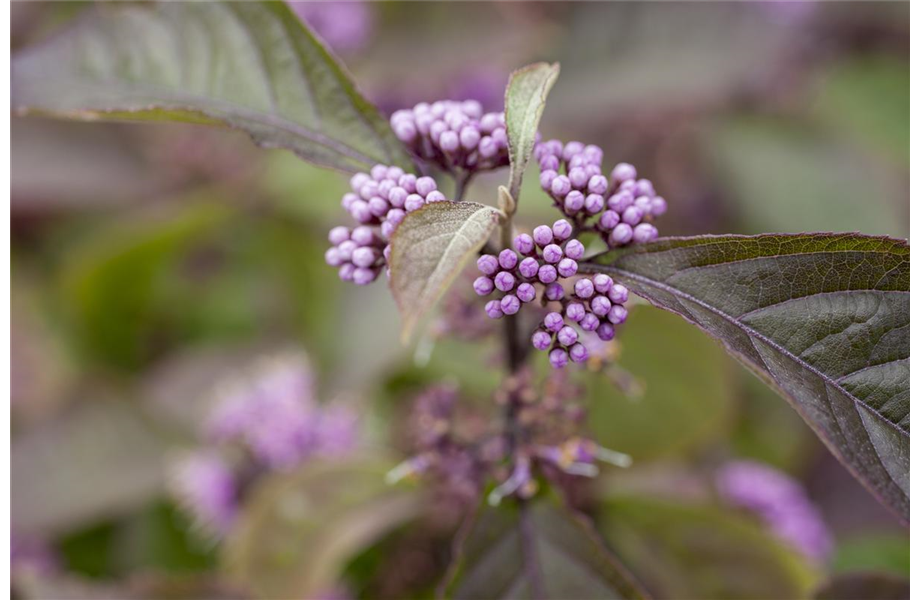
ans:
(150, 261)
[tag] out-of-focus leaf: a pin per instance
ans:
(548, 554)
(98, 461)
(429, 249)
(252, 66)
(824, 318)
(524, 101)
(686, 396)
(784, 176)
(298, 530)
(864, 585)
(880, 552)
(30, 586)
(696, 551)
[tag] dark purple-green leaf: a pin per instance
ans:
(864, 585)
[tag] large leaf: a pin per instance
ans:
(430, 248)
(524, 102)
(823, 318)
(248, 65)
(864, 585)
(550, 554)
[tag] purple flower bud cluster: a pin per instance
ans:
(622, 204)
(378, 202)
(454, 135)
(597, 305)
(544, 258)
(780, 502)
(578, 455)
(205, 486)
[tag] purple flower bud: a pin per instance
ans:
(643, 204)
(363, 235)
(510, 304)
(396, 216)
(631, 216)
(379, 172)
(384, 187)
(386, 253)
(575, 311)
(578, 353)
(554, 292)
(628, 186)
(449, 141)
(469, 137)
(423, 123)
(567, 267)
(407, 182)
(618, 293)
(490, 122)
(590, 322)
(483, 286)
(504, 281)
(364, 257)
(552, 253)
(645, 232)
(562, 229)
(526, 292)
(609, 219)
(605, 332)
(571, 149)
(597, 185)
(333, 257)
(507, 259)
(574, 249)
(543, 235)
(487, 264)
(425, 185)
(358, 180)
(435, 196)
(394, 173)
(524, 244)
(621, 234)
(584, 288)
(494, 309)
(414, 202)
(346, 249)
(600, 305)
(659, 206)
(593, 154)
(360, 212)
(397, 197)
(348, 200)
(541, 340)
(363, 276)
(437, 128)
(644, 188)
(617, 314)
(472, 109)
(554, 147)
(529, 267)
(567, 336)
(574, 202)
(487, 147)
(594, 203)
(387, 229)
(500, 136)
(547, 274)
(578, 177)
(550, 163)
(405, 131)
(622, 172)
(546, 179)
(620, 201)
(602, 283)
(558, 358)
(561, 186)
(337, 235)
(553, 321)
(378, 206)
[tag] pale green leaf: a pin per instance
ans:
(525, 98)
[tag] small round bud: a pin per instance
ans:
(578, 353)
(645, 232)
(561, 186)
(425, 185)
(617, 314)
(578, 177)
(620, 201)
(472, 109)
(358, 180)
(378, 206)
(628, 186)
(510, 304)
(574, 249)
(567, 267)
(508, 259)
(609, 219)
(644, 187)
(413, 203)
(600, 305)
(437, 128)
(543, 235)
(529, 267)
(659, 206)
(483, 286)
(567, 335)
(407, 182)
(494, 309)
(622, 172)
(584, 288)
(558, 358)
(386, 253)
(597, 184)
(435, 196)
(396, 215)
(590, 322)
(347, 272)
(469, 137)
(554, 292)
(593, 153)
(621, 234)
(632, 215)
(618, 293)
(550, 163)
(546, 179)
(562, 229)
(333, 257)
(364, 276)
(602, 283)
(387, 229)
(524, 244)
(500, 136)
(487, 147)
(397, 196)
(504, 281)
(487, 264)
(346, 249)
(490, 122)
(361, 212)
(594, 203)
(571, 149)
(574, 202)
(575, 311)
(541, 340)
(644, 205)
(449, 141)
(363, 235)
(552, 253)
(384, 187)
(554, 147)
(394, 173)
(337, 235)
(364, 256)
(605, 332)
(349, 199)
(526, 292)
(547, 274)
(553, 321)
(379, 172)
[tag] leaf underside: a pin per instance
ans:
(525, 99)
(822, 318)
(251, 66)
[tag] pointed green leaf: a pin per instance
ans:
(430, 248)
(823, 318)
(251, 66)
(525, 98)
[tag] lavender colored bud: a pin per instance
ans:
(523, 243)
(469, 137)
(358, 180)
(620, 201)
(397, 197)
(337, 235)
(541, 340)
(609, 219)
(384, 187)
(547, 274)
(333, 257)
(435, 196)
(346, 249)
(529, 267)
(552, 253)
(562, 229)
(487, 147)
(403, 114)
(590, 322)
(364, 276)
(543, 235)
(456, 120)
(396, 215)
(472, 109)
(554, 147)
(504, 281)
(554, 292)
(510, 304)
(622, 172)
(597, 184)
(487, 264)
(407, 182)
(507, 259)
(593, 153)
(546, 179)
(449, 141)
(413, 203)
(632, 215)
(594, 203)
(490, 121)
(394, 173)
(644, 187)
(347, 272)
(571, 149)
(558, 358)
(553, 321)
(567, 336)
(628, 186)
(494, 309)
(574, 202)
(621, 234)
(378, 206)
(574, 249)
(549, 163)
(386, 253)
(578, 353)
(437, 128)
(645, 232)
(387, 229)
(600, 305)
(364, 256)
(605, 332)
(424, 186)
(658, 206)
(575, 311)
(349, 199)
(526, 292)
(363, 235)
(578, 177)
(567, 267)
(561, 186)
(424, 122)
(584, 288)
(618, 294)
(500, 136)
(617, 314)
(361, 212)
(602, 283)
(379, 172)
(483, 286)
(644, 204)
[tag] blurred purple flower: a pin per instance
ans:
(345, 25)
(31, 555)
(780, 501)
(206, 488)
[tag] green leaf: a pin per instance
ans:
(698, 551)
(428, 251)
(823, 318)
(865, 585)
(251, 66)
(543, 553)
(525, 98)
(298, 529)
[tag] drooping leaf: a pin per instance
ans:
(823, 318)
(251, 66)
(525, 98)
(682, 550)
(428, 251)
(548, 554)
(298, 529)
(864, 585)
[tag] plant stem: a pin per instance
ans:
(461, 180)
